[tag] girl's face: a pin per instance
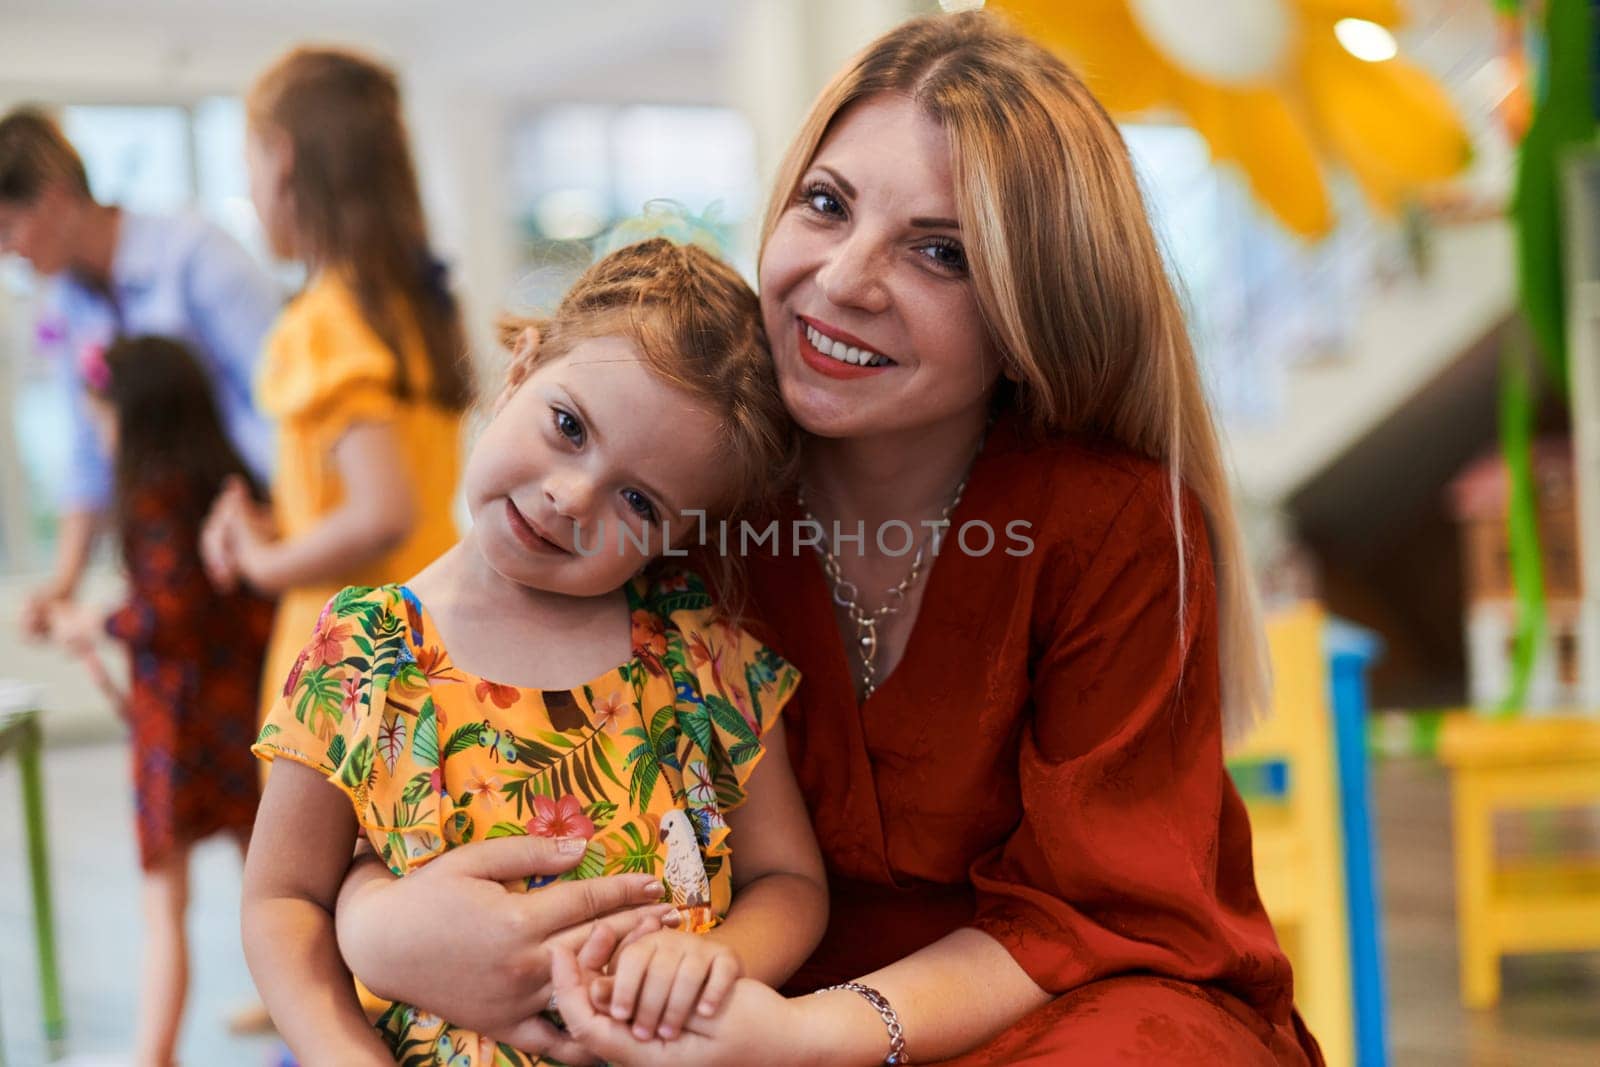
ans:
(267, 162)
(586, 468)
(868, 303)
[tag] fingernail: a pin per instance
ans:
(571, 846)
(641, 1033)
(619, 1013)
(653, 888)
(671, 918)
(707, 1009)
(667, 1033)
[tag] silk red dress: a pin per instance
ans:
(1045, 764)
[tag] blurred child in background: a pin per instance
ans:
(194, 654)
(364, 372)
(106, 273)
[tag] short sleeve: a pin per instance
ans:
(731, 690)
(1114, 867)
(325, 366)
(356, 708)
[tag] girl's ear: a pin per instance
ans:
(524, 345)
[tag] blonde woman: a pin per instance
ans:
(1011, 750)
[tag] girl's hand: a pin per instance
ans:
(77, 628)
(756, 1024)
(451, 939)
(217, 551)
(661, 978)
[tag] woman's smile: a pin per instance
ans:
(837, 354)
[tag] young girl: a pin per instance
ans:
(484, 697)
(194, 653)
(364, 371)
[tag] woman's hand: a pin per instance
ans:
(755, 1024)
(451, 939)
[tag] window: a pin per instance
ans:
(577, 169)
(1258, 299)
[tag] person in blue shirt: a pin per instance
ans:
(111, 273)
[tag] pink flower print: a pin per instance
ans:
(606, 709)
(436, 780)
(327, 646)
(294, 674)
(479, 786)
(559, 818)
(350, 696)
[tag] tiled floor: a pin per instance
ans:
(1550, 1016)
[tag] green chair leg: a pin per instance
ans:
(28, 750)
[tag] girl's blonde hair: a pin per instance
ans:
(697, 325)
(355, 209)
(1069, 277)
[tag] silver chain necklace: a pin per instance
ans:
(847, 595)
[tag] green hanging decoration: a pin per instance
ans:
(1563, 117)
(1522, 517)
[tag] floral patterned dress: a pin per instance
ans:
(194, 655)
(433, 757)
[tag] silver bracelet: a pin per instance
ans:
(891, 1019)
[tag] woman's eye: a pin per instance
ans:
(822, 200)
(948, 255)
(640, 504)
(568, 426)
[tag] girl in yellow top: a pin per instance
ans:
(364, 371)
(483, 697)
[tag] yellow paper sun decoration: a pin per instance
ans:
(1274, 86)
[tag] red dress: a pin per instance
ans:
(1045, 765)
(195, 667)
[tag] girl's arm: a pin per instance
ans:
(377, 514)
(780, 890)
(299, 852)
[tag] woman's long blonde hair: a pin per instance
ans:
(1068, 274)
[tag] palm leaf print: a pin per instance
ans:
(463, 738)
(319, 700)
(425, 738)
(559, 765)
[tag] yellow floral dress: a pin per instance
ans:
(432, 757)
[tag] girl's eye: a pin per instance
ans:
(640, 504)
(568, 426)
(820, 199)
(948, 255)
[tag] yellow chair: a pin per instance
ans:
(1286, 771)
(1546, 905)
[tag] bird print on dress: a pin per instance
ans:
(685, 872)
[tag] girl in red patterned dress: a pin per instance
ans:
(194, 654)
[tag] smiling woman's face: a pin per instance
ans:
(865, 289)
